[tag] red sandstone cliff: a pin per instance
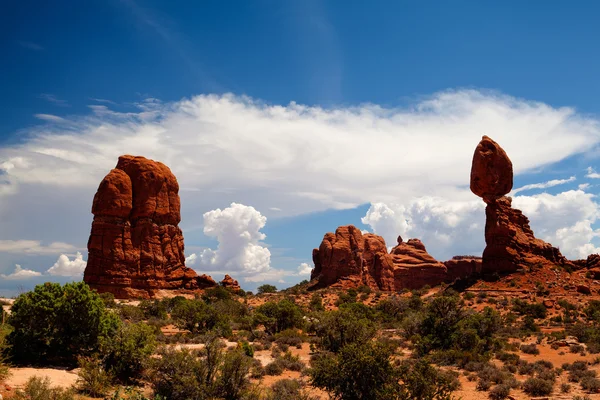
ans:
(136, 246)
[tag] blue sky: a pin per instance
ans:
(355, 112)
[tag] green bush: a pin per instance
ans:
(55, 324)
(153, 309)
(316, 303)
(336, 329)
(266, 289)
(538, 387)
(93, 378)
(198, 317)
(232, 380)
(530, 349)
(4, 370)
(499, 392)
(277, 317)
(37, 388)
(127, 352)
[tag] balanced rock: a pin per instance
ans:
(510, 242)
(136, 246)
(491, 171)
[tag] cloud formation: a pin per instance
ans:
(65, 267)
(592, 174)
(237, 229)
(34, 247)
(20, 274)
(290, 160)
(543, 185)
(448, 228)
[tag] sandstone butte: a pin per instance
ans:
(349, 258)
(136, 248)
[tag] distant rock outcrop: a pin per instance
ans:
(230, 283)
(136, 246)
(348, 258)
(510, 242)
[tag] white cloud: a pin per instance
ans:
(21, 273)
(544, 185)
(304, 269)
(191, 259)
(591, 173)
(49, 117)
(237, 229)
(35, 247)
(65, 267)
(446, 227)
(294, 158)
(583, 186)
(54, 100)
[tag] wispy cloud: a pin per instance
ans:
(544, 185)
(49, 117)
(21, 273)
(54, 100)
(592, 174)
(30, 45)
(97, 100)
(35, 247)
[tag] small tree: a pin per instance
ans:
(56, 324)
(266, 289)
(276, 317)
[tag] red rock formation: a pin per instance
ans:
(349, 258)
(230, 283)
(414, 267)
(510, 242)
(135, 246)
(491, 171)
(460, 267)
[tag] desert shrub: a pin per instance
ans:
(93, 379)
(4, 370)
(291, 337)
(127, 353)
(180, 375)
(56, 324)
(534, 310)
(499, 392)
(576, 348)
(266, 289)
(216, 293)
(565, 388)
(347, 297)
(530, 349)
(277, 317)
(316, 303)
(336, 329)
(483, 385)
(198, 317)
(108, 299)
(590, 384)
(274, 368)
(291, 362)
(127, 312)
(287, 389)
(538, 387)
(232, 379)
(37, 388)
(153, 309)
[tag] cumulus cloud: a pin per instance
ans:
(34, 247)
(191, 259)
(583, 186)
(447, 228)
(65, 267)
(304, 269)
(543, 185)
(21, 273)
(237, 229)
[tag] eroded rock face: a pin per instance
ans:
(510, 242)
(136, 246)
(230, 283)
(460, 267)
(491, 171)
(348, 258)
